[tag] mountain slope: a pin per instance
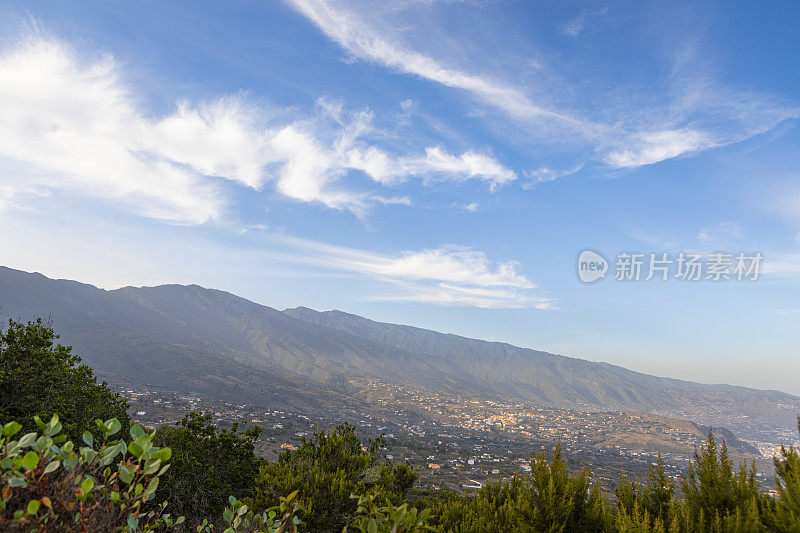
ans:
(568, 382)
(201, 340)
(131, 333)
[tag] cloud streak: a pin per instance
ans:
(363, 42)
(694, 113)
(447, 275)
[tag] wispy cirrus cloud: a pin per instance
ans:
(364, 42)
(447, 275)
(68, 122)
(693, 113)
(546, 174)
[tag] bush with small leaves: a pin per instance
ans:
(389, 518)
(283, 518)
(49, 483)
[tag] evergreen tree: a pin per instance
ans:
(327, 470)
(40, 378)
(785, 514)
(713, 494)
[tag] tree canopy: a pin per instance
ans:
(40, 377)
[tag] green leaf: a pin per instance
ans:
(11, 429)
(125, 475)
(31, 460)
(42, 443)
(88, 438)
(153, 485)
(33, 506)
(17, 482)
(27, 440)
(113, 426)
(52, 466)
(135, 449)
(87, 485)
(152, 466)
(164, 454)
(136, 431)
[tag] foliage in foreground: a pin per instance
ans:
(326, 470)
(49, 483)
(40, 377)
(209, 465)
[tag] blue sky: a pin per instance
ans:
(436, 163)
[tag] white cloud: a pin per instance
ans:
(436, 165)
(545, 174)
(257, 262)
(447, 294)
(785, 265)
(577, 24)
(448, 275)
(467, 207)
(70, 123)
(649, 148)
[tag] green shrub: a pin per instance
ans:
(208, 466)
(39, 378)
(389, 518)
(282, 518)
(549, 499)
(326, 470)
(49, 483)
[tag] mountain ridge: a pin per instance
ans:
(572, 382)
(299, 312)
(240, 349)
